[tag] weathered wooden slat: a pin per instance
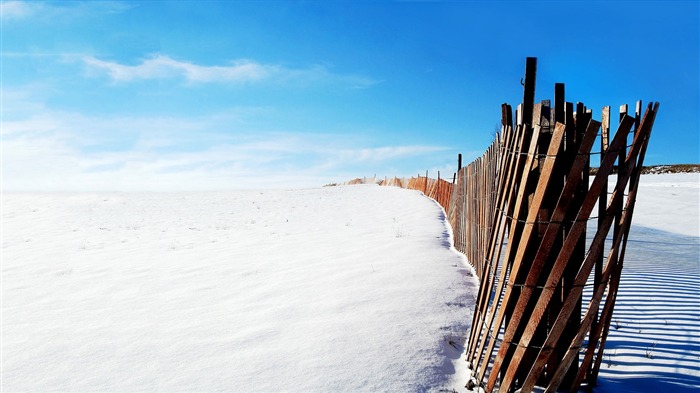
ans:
(605, 132)
(602, 200)
(559, 103)
(529, 89)
(637, 119)
(582, 118)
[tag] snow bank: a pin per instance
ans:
(335, 289)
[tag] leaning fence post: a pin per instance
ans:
(425, 189)
(529, 89)
(602, 205)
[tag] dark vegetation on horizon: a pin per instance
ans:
(659, 169)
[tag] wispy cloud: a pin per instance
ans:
(18, 9)
(236, 72)
(57, 11)
(55, 161)
(384, 153)
(48, 150)
(163, 67)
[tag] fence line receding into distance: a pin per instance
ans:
(548, 264)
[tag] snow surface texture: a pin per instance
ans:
(669, 202)
(352, 289)
(336, 289)
(654, 340)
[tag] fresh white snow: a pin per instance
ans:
(336, 289)
(352, 289)
(669, 202)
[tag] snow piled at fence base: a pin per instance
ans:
(333, 289)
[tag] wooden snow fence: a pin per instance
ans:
(396, 182)
(438, 189)
(547, 240)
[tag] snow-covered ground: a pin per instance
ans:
(352, 288)
(335, 289)
(654, 341)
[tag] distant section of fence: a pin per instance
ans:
(521, 214)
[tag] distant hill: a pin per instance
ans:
(676, 168)
(658, 169)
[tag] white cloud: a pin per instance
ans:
(385, 153)
(62, 151)
(239, 71)
(18, 9)
(162, 67)
(58, 11)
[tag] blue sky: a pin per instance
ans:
(158, 95)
